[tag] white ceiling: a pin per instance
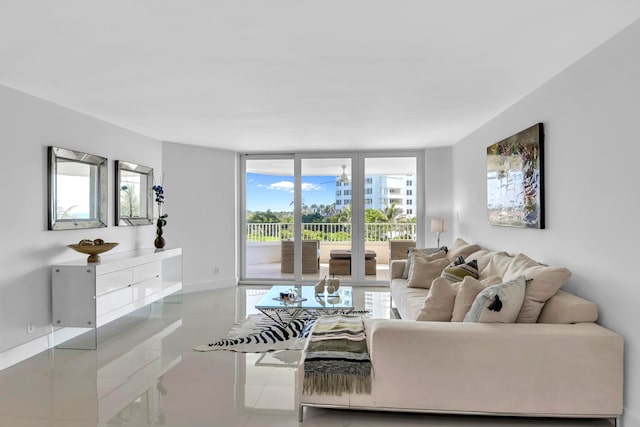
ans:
(293, 75)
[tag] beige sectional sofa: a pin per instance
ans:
(564, 365)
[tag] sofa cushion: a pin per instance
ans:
(427, 251)
(458, 272)
(438, 306)
(546, 282)
(564, 307)
(468, 290)
(498, 303)
(408, 301)
(425, 268)
(461, 248)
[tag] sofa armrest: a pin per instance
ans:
(397, 268)
(479, 367)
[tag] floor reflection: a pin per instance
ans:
(263, 387)
(149, 375)
(130, 388)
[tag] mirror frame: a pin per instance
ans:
(142, 170)
(55, 153)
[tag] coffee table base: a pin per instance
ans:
(293, 313)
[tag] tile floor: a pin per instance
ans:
(148, 375)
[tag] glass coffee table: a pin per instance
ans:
(284, 312)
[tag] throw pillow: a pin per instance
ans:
(427, 251)
(546, 282)
(458, 261)
(468, 290)
(498, 303)
(497, 265)
(425, 268)
(438, 305)
(461, 248)
(458, 272)
(483, 256)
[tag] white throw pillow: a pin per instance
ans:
(498, 303)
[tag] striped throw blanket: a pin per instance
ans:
(337, 359)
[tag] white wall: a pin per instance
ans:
(438, 193)
(200, 190)
(590, 114)
(27, 126)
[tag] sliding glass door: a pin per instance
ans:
(268, 218)
(314, 215)
(326, 215)
(391, 208)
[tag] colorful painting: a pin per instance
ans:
(515, 190)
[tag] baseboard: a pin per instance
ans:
(24, 351)
(227, 282)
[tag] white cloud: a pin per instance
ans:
(307, 186)
(288, 186)
(282, 186)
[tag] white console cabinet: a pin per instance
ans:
(90, 295)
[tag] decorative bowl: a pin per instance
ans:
(93, 251)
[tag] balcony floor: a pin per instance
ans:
(271, 271)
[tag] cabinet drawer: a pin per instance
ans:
(146, 288)
(114, 280)
(146, 271)
(108, 302)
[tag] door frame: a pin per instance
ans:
(357, 207)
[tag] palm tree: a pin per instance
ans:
(392, 213)
(328, 210)
(344, 215)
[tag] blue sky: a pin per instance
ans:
(276, 192)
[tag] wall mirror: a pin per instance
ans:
(134, 198)
(77, 190)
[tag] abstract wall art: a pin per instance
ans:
(515, 184)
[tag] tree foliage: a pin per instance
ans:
(374, 215)
(267, 217)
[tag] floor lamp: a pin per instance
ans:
(438, 226)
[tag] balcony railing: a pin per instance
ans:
(329, 232)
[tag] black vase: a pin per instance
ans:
(159, 241)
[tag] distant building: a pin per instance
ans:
(382, 191)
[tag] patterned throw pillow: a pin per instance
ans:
(468, 290)
(458, 271)
(425, 251)
(498, 303)
(458, 261)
